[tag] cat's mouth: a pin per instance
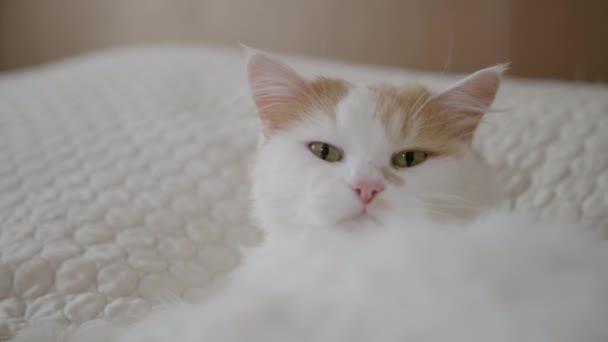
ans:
(361, 217)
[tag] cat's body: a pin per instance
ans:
(501, 278)
(378, 228)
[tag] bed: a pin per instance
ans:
(121, 180)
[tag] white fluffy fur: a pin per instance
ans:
(398, 275)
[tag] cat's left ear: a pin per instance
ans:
(465, 102)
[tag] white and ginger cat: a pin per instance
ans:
(379, 227)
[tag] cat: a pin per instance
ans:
(381, 224)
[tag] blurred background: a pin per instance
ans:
(558, 39)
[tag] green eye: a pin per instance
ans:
(408, 158)
(325, 151)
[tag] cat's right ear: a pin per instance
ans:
(277, 90)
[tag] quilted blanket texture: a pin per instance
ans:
(123, 174)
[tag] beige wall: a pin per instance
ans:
(542, 38)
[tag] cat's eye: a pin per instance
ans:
(325, 151)
(408, 158)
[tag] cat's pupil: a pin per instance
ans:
(324, 151)
(409, 158)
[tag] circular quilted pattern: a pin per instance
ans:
(123, 175)
(116, 280)
(33, 278)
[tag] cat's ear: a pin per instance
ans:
(276, 89)
(465, 102)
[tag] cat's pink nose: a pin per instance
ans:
(367, 190)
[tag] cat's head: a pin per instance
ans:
(336, 154)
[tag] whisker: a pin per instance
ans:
(450, 54)
(448, 196)
(412, 116)
(433, 206)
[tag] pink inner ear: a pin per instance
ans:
(469, 99)
(274, 85)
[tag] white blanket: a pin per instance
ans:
(123, 175)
